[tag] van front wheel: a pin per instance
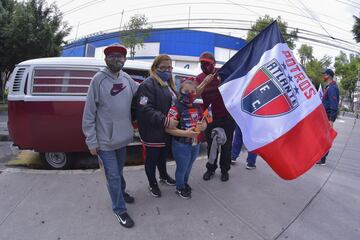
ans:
(56, 160)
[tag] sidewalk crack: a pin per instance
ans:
(16, 206)
(320, 189)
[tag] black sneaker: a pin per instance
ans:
(208, 175)
(168, 181)
(125, 220)
(183, 193)
(188, 188)
(155, 191)
(224, 177)
(250, 166)
(321, 163)
(128, 198)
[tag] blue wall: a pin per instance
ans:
(172, 42)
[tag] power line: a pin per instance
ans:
(246, 8)
(247, 23)
(66, 3)
(176, 4)
(349, 4)
(315, 18)
(82, 6)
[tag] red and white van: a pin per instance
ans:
(46, 100)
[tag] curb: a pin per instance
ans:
(77, 171)
(4, 138)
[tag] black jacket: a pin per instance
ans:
(153, 104)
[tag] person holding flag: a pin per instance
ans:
(330, 100)
(208, 82)
(275, 104)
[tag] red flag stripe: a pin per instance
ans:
(299, 149)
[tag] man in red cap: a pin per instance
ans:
(115, 57)
(208, 83)
(107, 125)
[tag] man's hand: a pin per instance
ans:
(331, 124)
(208, 79)
(93, 151)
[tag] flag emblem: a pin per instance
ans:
(270, 92)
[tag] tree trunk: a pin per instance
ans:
(341, 100)
(351, 101)
(4, 77)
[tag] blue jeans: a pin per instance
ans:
(113, 163)
(185, 155)
(237, 145)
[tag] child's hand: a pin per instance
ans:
(190, 133)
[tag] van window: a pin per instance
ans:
(136, 74)
(180, 78)
(61, 81)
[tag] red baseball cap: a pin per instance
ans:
(115, 48)
(207, 57)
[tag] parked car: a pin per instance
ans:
(46, 100)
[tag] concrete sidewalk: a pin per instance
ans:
(322, 204)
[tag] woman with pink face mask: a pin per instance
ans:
(185, 140)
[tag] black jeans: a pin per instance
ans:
(228, 124)
(155, 156)
(323, 159)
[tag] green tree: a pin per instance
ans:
(305, 53)
(315, 67)
(356, 29)
(263, 22)
(28, 30)
(347, 70)
(326, 61)
(135, 32)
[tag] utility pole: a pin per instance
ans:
(122, 15)
(189, 17)
(358, 94)
(77, 30)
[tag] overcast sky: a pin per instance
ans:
(320, 19)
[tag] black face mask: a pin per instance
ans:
(115, 65)
(207, 68)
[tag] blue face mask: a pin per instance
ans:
(165, 76)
